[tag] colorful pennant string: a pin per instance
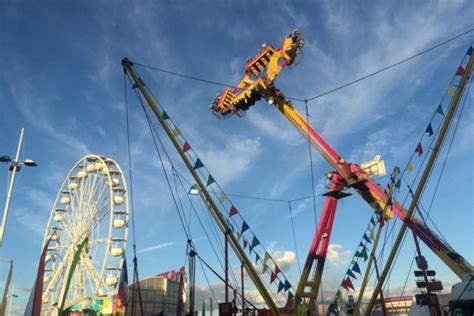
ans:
(419, 149)
(281, 286)
(232, 212)
(245, 227)
(450, 91)
(210, 180)
(366, 238)
(266, 257)
(272, 277)
(222, 197)
(287, 285)
(349, 273)
(277, 269)
(255, 242)
(409, 167)
(176, 132)
(265, 267)
(439, 110)
(429, 129)
(198, 164)
(186, 147)
(356, 268)
(460, 71)
(165, 115)
(347, 284)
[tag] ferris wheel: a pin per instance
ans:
(92, 202)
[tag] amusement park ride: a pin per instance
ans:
(258, 83)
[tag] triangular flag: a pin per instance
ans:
(265, 267)
(372, 221)
(419, 149)
(361, 244)
(186, 147)
(349, 273)
(165, 115)
(469, 51)
(389, 201)
(245, 243)
(460, 71)
(277, 269)
(198, 164)
(409, 167)
(176, 132)
(364, 254)
(356, 268)
(439, 110)
(298, 299)
(338, 297)
(210, 180)
(429, 129)
(290, 298)
(287, 285)
(281, 286)
(272, 277)
(371, 236)
(233, 211)
(398, 184)
(366, 238)
(250, 249)
(257, 258)
(222, 197)
(266, 257)
(255, 242)
(347, 283)
(244, 227)
(450, 91)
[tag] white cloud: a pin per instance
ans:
(284, 259)
(336, 254)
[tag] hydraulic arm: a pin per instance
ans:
(258, 83)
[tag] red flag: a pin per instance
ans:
(272, 277)
(419, 149)
(186, 147)
(347, 283)
(232, 211)
(277, 269)
(460, 71)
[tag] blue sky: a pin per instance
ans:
(62, 80)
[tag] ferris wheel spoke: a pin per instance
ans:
(59, 271)
(93, 275)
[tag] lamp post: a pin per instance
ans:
(14, 166)
(10, 303)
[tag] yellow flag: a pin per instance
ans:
(409, 167)
(222, 197)
(176, 132)
(450, 91)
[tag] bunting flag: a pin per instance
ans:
(176, 132)
(398, 184)
(244, 227)
(277, 269)
(287, 285)
(347, 284)
(361, 244)
(372, 221)
(362, 254)
(439, 110)
(266, 257)
(349, 273)
(450, 91)
(389, 201)
(356, 268)
(265, 267)
(419, 149)
(222, 197)
(409, 167)
(281, 286)
(232, 212)
(429, 129)
(366, 238)
(250, 250)
(272, 277)
(186, 147)
(460, 71)
(255, 242)
(338, 297)
(469, 51)
(257, 258)
(210, 180)
(245, 243)
(198, 164)
(371, 236)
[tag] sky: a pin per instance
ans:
(62, 81)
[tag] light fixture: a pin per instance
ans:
(5, 159)
(271, 100)
(194, 190)
(29, 163)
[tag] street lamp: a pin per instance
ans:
(15, 166)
